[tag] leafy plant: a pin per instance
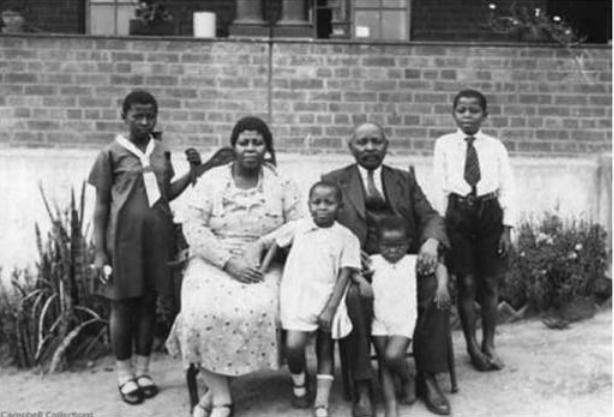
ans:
(534, 23)
(57, 316)
(152, 12)
(555, 263)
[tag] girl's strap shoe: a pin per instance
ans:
(134, 396)
(147, 386)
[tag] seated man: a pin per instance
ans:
(372, 191)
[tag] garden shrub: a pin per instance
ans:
(555, 262)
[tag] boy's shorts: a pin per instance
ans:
(474, 229)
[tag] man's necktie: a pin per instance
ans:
(472, 164)
(372, 191)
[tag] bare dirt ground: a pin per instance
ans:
(549, 373)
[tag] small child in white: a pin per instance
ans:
(395, 309)
(323, 256)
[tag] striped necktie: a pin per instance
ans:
(472, 165)
(372, 191)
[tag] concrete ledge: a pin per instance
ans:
(578, 188)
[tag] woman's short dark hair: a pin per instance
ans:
(469, 93)
(138, 97)
(258, 125)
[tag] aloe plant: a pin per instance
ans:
(57, 316)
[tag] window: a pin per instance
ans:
(381, 19)
(109, 17)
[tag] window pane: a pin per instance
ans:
(366, 4)
(367, 24)
(124, 14)
(102, 20)
(396, 3)
(394, 25)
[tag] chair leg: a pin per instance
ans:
(451, 364)
(190, 376)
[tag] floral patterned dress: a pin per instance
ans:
(226, 326)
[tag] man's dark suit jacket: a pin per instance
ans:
(404, 196)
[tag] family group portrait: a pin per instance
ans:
(327, 208)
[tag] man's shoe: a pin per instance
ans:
(430, 392)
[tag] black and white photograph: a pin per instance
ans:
(306, 208)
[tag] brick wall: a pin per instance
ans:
(65, 91)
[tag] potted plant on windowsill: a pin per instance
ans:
(151, 18)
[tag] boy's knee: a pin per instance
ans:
(393, 359)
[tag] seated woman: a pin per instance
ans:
(228, 319)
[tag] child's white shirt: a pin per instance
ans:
(311, 270)
(395, 296)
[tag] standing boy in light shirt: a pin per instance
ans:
(476, 186)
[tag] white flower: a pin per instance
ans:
(522, 254)
(572, 255)
(492, 6)
(578, 247)
(568, 32)
(557, 19)
(538, 12)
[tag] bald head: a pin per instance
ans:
(368, 144)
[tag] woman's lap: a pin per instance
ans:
(228, 327)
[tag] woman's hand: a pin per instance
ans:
(253, 253)
(243, 271)
(325, 320)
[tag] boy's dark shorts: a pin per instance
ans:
(474, 231)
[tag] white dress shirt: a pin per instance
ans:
(377, 178)
(495, 169)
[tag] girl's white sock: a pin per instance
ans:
(325, 382)
(124, 371)
(142, 365)
(298, 381)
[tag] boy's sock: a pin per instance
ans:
(325, 382)
(124, 371)
(142, 365)
(298, 381)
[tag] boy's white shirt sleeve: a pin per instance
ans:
(507, 188)
(439, 173)
(350, 254)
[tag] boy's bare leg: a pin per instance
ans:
(490, 303)
(295, 355)
(386, 378)
(466, 310)
(396, 350)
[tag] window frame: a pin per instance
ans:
(378, 5)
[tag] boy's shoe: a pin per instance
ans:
(320, 411)
(303, 400)
(407, 392)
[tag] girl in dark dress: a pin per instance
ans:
(133, 236)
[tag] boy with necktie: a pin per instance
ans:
(476, 186)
